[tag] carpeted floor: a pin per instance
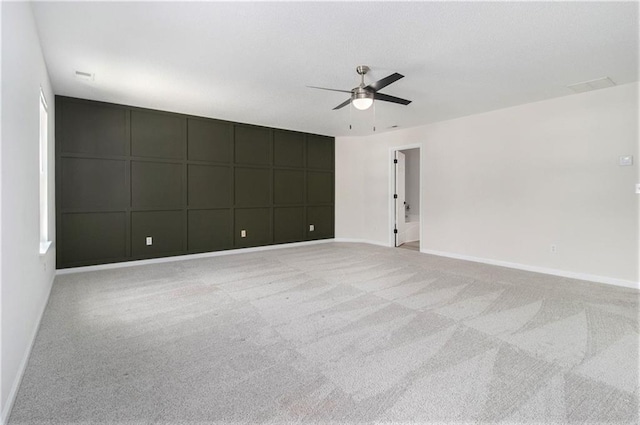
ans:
(332, 333)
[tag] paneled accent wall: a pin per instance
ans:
(192, 184)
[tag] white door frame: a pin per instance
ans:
(400, 198)
(392, 189)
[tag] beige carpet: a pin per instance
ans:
(332, 333)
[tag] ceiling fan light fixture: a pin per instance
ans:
(363, 103)
(362, 99)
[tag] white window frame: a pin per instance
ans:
(43, 170)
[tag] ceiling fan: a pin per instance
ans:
(362, 96)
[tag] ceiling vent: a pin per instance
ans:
(599, 83)
(84, 76)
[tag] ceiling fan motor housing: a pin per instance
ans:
(362, 98)
(361, 93)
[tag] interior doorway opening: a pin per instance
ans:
(407, 199)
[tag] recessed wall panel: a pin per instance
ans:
(94, 184)
(91, 238)
(320, 152)
(288, 187)
(210, 230)
(252, 145)
(256, 222)
(319, 187)
(93, 128)
(322, 220)
(156, 185)
(209, 186)
(252, 187)
(165, 228)
(288, 224)
(157, 134)
(288, 149)
(209, 140)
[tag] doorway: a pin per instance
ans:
(406, 197)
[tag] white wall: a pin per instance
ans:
(505, 185)
(412, 180)
(26, 276)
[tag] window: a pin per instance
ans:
(44, 176)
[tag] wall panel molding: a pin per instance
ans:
(192, 184)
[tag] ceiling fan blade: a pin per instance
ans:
(393, 99)
(324, 88)
(380, 84)
(343, 104)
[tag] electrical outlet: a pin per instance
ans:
(638, 188)
(553, 249)
(312, 227)
(243, 233)
(149, 240)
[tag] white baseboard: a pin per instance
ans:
(187, 257)
(544, 270)
(11, 399)
(350, 240)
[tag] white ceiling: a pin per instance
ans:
(250, 62)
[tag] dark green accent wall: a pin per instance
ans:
(191, 183)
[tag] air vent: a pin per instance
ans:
(600, 83)
(85, 76)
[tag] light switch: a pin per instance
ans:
(626, 160)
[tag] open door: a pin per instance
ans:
(399, 198)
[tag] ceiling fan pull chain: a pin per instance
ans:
(374, 116)
(350, 109)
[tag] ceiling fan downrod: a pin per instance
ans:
(362, 70)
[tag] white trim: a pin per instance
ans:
(43, 171)
(11, 399)
(44, 247)
(186, 257)
(43, 99)
(351, 240)
(536, 269)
